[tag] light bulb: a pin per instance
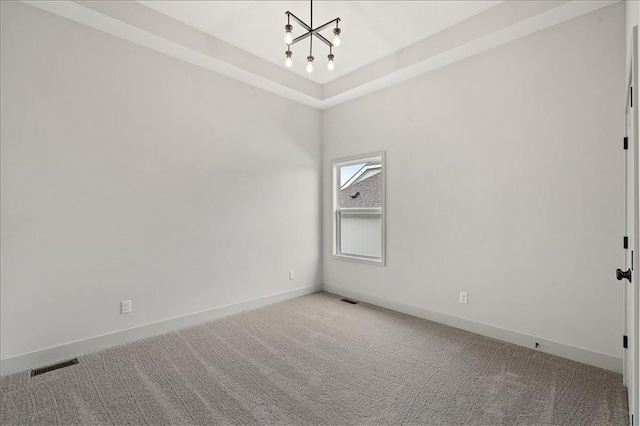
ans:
(309, 64)
(287, 37)
(331, 65)
(336, 38)
(288, 62)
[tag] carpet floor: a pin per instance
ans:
(317, 360)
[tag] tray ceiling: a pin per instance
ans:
(370, 29)
(384, 42)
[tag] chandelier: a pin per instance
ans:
(311, 32)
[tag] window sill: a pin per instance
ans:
(364, 260)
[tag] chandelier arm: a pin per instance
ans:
(305, 35)
(323, 26)
(299, 21)
(316, 33)
(324, 40)
(300, 38)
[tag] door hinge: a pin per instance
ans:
(625, 143)
(625, 242)
(631, 97)
(625, 341)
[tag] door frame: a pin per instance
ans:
(631, 293)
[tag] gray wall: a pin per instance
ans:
(504, 180)
(127, 174)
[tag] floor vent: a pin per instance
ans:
(353, 302)
(52, 367)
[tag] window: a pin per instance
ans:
(358, 200)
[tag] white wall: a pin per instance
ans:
(127, 174)
(504, 180)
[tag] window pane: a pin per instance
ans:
(362, 186)
(361, 234)
(358, 185)
(347, 172)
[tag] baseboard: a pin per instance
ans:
(69, 350)
(563, 350)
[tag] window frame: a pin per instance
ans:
(337, 210)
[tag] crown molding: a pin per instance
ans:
(499, 25)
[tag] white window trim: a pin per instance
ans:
(335, 189)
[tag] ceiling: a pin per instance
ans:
(384, 42)
(370, 29)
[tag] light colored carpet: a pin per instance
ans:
(317, 360)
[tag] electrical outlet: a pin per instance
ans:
(463, 297)
(125, 306)
(292, 274)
